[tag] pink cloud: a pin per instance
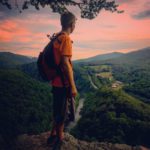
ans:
(5, 37)
(10, 31)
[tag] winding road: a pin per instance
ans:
(94, 86)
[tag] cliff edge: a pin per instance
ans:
(38, 142)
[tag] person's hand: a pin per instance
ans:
(74, 91)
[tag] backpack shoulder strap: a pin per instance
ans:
(55, 37)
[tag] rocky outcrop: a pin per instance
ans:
(38, 142)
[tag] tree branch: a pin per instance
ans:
(89, 8)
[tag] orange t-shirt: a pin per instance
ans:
(62, 46)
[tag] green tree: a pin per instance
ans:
(114, 116)
(89, 8)
(25, 105)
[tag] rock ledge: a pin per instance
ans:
(38, 142)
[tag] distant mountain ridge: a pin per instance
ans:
(136, 57)
(10, 60)
(100, 57)
(141, 56)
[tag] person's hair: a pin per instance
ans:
(67, 19)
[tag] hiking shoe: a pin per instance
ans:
(52, 139)
(58, 144)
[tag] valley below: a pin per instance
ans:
(112, 106)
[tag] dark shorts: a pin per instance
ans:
(60, 95)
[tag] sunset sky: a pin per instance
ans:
(25, 33)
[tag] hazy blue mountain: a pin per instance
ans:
(10, 60)
(100, 57)
(139, 57)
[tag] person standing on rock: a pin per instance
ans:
(62, 86)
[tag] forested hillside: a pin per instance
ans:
(11, 60)
(109, 113)
(100, 57)
(80, 75)
(30, 69)
(133, 69)
(114, 116)
(25, 104)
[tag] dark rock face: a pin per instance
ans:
(38, 142)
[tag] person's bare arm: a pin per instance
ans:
(69, 74)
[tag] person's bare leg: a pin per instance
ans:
(53, 131)
(60, 131)
(52, 139)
